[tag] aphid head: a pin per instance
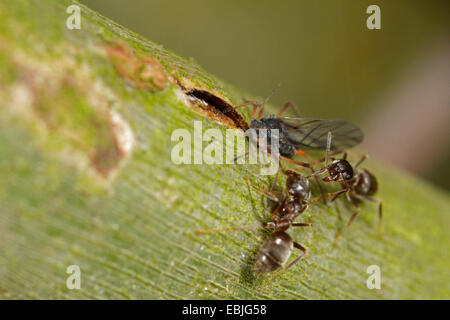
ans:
(298, 185)
(340, 168)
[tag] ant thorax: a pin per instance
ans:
(291, 207)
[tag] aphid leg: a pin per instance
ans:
(248, 103)
(364, 157)
(350, 221)
(266, 100)
(268, 194)
(291, 105)
(253, 151)
(255, 105)
(242, 155)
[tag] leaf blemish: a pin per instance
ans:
(138, 70)
(216, 108)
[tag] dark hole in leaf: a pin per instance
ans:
(211, 102)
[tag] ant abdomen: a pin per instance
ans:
(366, 183)
(274, 253)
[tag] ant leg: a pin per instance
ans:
(272, 214)
(350, 221)
(291, 105)
(347, 186)
(299, 163)
(346, 190)
(337, 195)
(276, 176)
(331, 154)
(301, 224)
(380, 214)
(364, 157)
(328, 195)
(297, 246)
(269, 195)
(302, 164)
(380, 209)
(300, 247)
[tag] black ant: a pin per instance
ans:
(275, 252)
(356, 184)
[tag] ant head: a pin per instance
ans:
(297, 185)
(340, 168)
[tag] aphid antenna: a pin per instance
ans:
(261, 108)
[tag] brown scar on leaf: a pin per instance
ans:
(138, 70)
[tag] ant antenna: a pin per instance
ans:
(234, 229)
(328, 148)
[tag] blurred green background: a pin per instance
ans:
(393, 82)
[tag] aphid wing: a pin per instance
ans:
(306, 133)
